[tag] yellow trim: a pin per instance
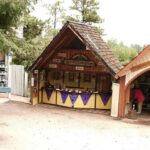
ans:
(34, 100)
(67, 102)
(90, 103)
(78, 103)
(100, 105)
(51, 100)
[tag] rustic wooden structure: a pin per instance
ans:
(76, 62)
(136, 72)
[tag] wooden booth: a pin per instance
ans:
(137, 72)
(75, 70)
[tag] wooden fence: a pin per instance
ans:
(18, 80)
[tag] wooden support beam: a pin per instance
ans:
(140, 66)
(47, 56)
(122, 97)
(38, 86)
(63, 67)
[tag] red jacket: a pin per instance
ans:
(139, 95)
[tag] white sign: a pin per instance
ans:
(52, 65)
(35, 71)
(62, 55)
(79, 68)
(32, 81)
(57, 60)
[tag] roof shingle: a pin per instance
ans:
(96, 43)
(93, 41)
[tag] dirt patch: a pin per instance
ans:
(43, 127)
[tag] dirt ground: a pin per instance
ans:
(45, 127)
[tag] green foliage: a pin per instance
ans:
(28, 50)
(87, 9)
(26, 53)
(6, 42)
(10, 12)
(124, 53)
(32, 27)
(137, 47)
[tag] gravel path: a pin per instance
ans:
(45, 127)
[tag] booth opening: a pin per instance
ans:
(140, 92)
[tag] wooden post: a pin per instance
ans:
(96, 82)
(95, 100)
(96, 79)
(63, 77)
(122, 97)
(31, 88)
(79, 80)
(38, 86)
(56, 96)
(128, 94)
(42, 94)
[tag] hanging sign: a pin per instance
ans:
(35, 71)
(52, 65)
(79, 63)
(57, 61)
(64, 55)
(79, 68)
(32, 81)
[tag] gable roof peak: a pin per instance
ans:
(91, 38)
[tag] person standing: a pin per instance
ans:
(139, 96)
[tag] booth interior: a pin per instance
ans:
(75, 89)
(142, 82)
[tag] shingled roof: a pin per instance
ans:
(91, 38)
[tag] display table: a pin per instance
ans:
(76, 99)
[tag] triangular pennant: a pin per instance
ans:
(85, 97)
(48, 92)
(73, 98)
(63, 96)
(105, 98)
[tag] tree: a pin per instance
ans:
(123, 52)
(137, 47)
(56, 10)
(11, 11)
(32, 27)
(12, 15)
(87, 10)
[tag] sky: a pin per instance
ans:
(124, 20)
